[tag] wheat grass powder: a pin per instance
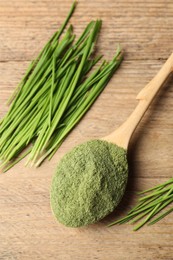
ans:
(89, 183)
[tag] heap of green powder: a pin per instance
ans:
(89, 183)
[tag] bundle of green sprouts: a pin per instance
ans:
(54, 94)
(150, 205)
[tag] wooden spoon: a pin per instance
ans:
(122, 135)
(97, 172)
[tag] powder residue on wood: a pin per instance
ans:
(89, 183)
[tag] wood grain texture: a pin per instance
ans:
(144, 29)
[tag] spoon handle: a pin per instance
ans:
(123, 134)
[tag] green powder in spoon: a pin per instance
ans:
(89, 183)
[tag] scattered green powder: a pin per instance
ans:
(89, 183)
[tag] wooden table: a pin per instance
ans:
(144, 29)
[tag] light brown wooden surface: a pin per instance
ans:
(144, 29)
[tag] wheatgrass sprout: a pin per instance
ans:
(150, 205)
(58, 88)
